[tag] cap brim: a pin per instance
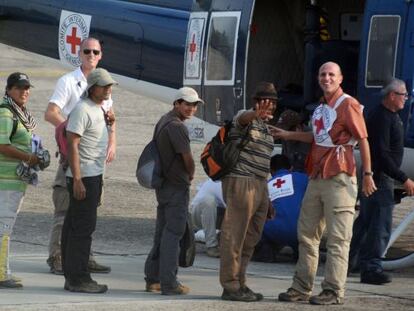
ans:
(23, 83)
(193, 100)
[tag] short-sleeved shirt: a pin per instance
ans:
(349, 123)
(172, 141)
(69, 89)
(20, 140)
(87, 120)
(254, 159)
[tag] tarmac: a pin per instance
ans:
(125, 227)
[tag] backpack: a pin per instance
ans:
(187, 246)
(149, 168)
(62, 143)
(221, 154)
(15, 119)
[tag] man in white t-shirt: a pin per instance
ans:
(204, 206)
(69, 89)
(87, 136)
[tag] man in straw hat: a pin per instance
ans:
(246, 195)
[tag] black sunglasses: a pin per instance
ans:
(88, 51)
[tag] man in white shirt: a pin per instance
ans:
(68, 90)
(204, 206)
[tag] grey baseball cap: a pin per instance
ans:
(100, 77)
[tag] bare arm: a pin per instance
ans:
(53, 114)
(368, 185)
(189, 164)
(79, 191)
(278, 133)
(12, 152)
(111, 150)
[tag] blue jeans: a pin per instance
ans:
(374, 224)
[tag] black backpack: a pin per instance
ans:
(221, 154)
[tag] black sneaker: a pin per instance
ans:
(375, 278)
(11, 283)
(247, 291)
(91, 287)
(292, 295)
(238, 296)
(94, 267)
(326, 297)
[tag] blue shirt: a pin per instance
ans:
(282, 230)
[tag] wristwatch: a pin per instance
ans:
(368, 173)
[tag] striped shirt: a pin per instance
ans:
(254, 160)
(20, 140)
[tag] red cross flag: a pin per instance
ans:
(73, 28)
(280, 186)
(194, 48)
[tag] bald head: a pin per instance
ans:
(89, 40)
(331, 66)
(330, 78)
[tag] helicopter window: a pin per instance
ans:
(221, 49)
(382, 49)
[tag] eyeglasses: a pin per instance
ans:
(88, 51)
(402, 94)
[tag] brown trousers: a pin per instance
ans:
(247, 202)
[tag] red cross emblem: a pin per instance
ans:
(319, 125)
(73, 40)
(279, 182)
(193, 47)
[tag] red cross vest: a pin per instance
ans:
(323, 119)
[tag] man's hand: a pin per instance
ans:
(368, 185)
(33, 160)
(110, 153)
(264, 109)
(271, 213)
(278, 133)
(409, 187)
(79, 191)
(110, 117)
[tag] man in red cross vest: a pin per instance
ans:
(329, 202)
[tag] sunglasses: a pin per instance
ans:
(88, 51)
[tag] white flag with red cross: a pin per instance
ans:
(281, 186)
(73, 29)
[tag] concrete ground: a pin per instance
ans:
(126, 224)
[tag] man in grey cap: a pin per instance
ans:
(87, 136)
(177, 162)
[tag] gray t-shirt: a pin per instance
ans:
(172, 141)
(87, 120)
